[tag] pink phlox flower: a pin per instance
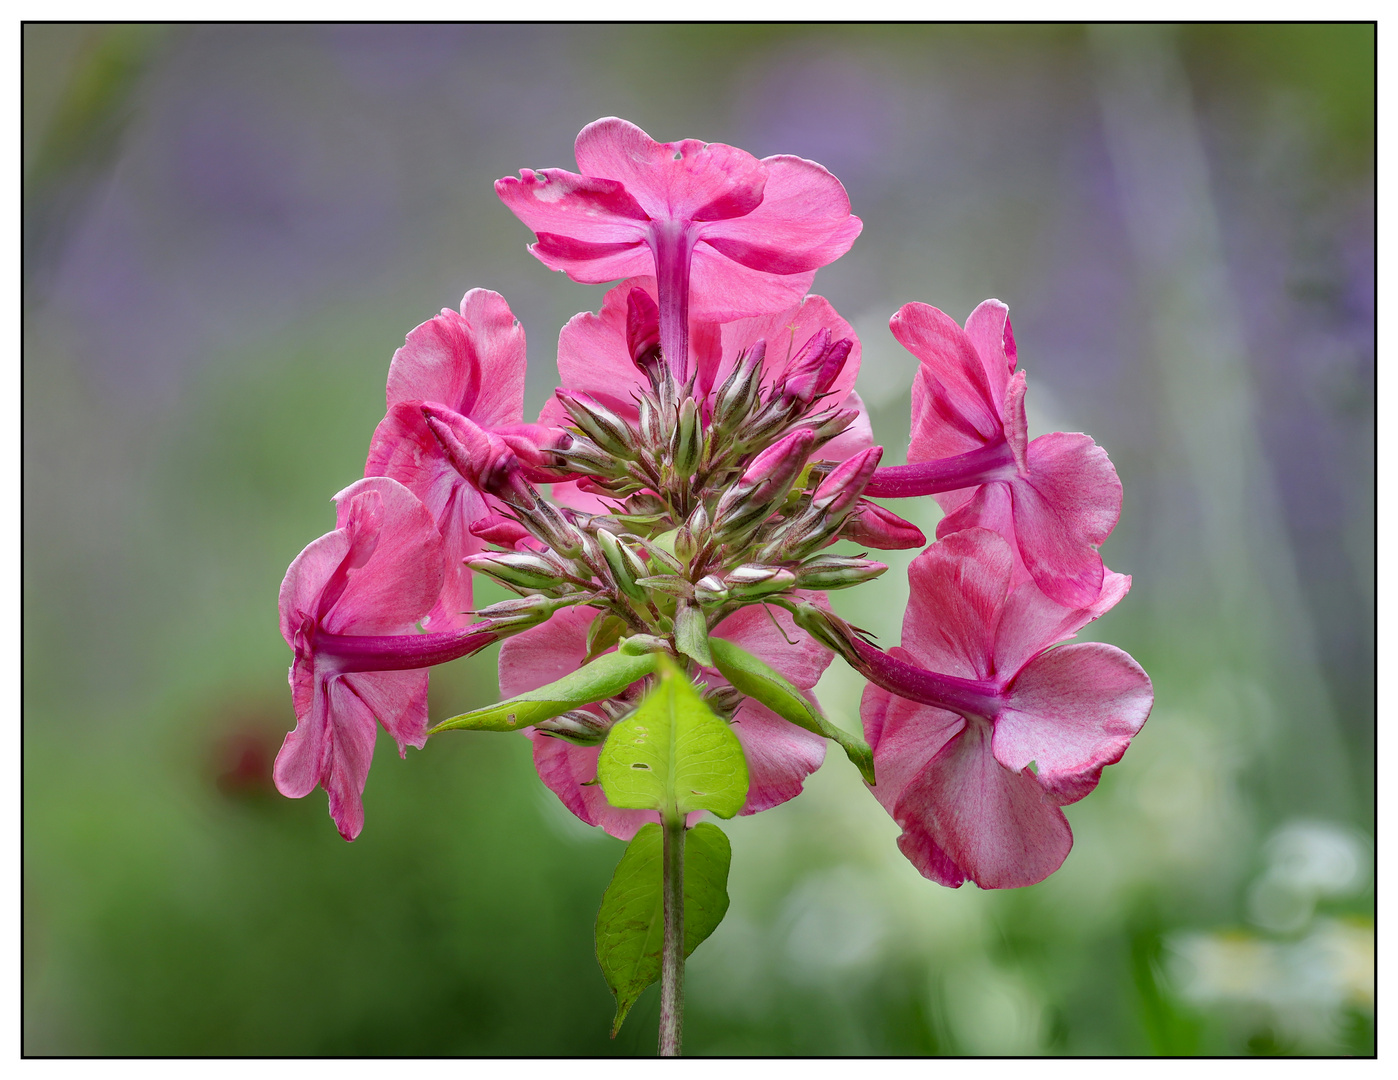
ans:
(1056, 498)
(350, 605)
(975, 696)
(467, 368)
(779, 754)
(749, 233)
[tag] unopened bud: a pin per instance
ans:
(534, 444)
(606, 428)
(577, 726)
(828, 629)
(698, 523)
(686, 547)
(836, 572)
(500, 530)
(687, 443)
(738, 394)
(624, 565)
(815, 368)
(585, 456)
(520, 614)
(839, 492)
(710, 589)
(872, 524)
(548, 525)
(519, 570)
(751, 580)
(643, 334)
(765, 484)
(724, 700)
(652, 429)
(835, 424)
(481, 457)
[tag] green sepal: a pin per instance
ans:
(673, 754)
(604, 632)
(630, 928)
(605, 677)
(692, 633)
(752, 677)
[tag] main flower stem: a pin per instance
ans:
(672, 951)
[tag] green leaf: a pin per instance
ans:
(673, 754)
(752, 677)
(605, 677)
(631, 924)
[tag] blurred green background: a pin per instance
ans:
(228, 230)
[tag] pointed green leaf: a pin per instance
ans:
(605, 677)
(752, 677)
(673, 754)
(630, 924)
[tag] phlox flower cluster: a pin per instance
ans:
(705, 448)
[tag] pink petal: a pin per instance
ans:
(904, 735)
(1067, 505)
(751, 628)
(305, 578)
(1072, 711)
(803, 222)
(472, 362)
(1016, 423)
(592, 263)
(957, 589)
(403, 575)
(1031, 622)
(298, 765)
(722, 290)
(545, 653)
(779, 755)
(954, 407)
(404, 449)
(994, 826)
(567, 770)
(396, 699)
(987, 328)
(680, 181)
(586, 208)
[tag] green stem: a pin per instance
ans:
(672, 953)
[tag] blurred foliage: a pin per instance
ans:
(216, 284)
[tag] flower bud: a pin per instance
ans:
(624, 565)
(815, 368)
(827, 628)
(724, 700)
(698, 523)
(652, 430)
(643, 335)
(500, 530)
(534, 444)
(582, 455)
(686, 547)
(872, 524)
(738, 394)
(751, 580)
(836, 572)
(577, 726)
(546, 523)
(765, 484)
(481, 457)
(710, 589)
(606, 428)
(516, 615)
(519, 570)
(833, 425)
(687, 443)
(839, 492)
